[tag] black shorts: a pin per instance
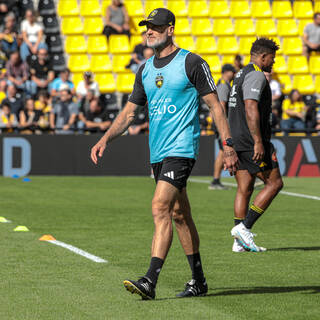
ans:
(268, 162)
(174, 170)
(313, 50)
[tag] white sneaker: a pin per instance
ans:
(245, 237)
(237, 247)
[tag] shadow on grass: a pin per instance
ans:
(254, 290)
(295, 248)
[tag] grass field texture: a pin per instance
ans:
(110, 217)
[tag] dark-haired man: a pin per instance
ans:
(311, 36)
(171, 82)
(249, 117)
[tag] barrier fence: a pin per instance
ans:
(22, 155)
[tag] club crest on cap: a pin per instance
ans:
(153, 13)
(159, 80)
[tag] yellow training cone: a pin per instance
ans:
(4, 220)
(21, 228)
(47, 237)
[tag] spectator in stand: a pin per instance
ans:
(7, 6)
(64, 113)
(137, 55)
(43, 104)
(317, 127)
(41, 69)
(30, 118)
(87, 84)
(140, 123)
(238, 62)
(17, 73)
(32, 34)
(8, 120)
(3, 90)
(96, 118)
(311, 36)
(293, 112)
(85, 101)
(117, 19)
(14, 100)
(8, 35)
(62, 81)
(147, 53)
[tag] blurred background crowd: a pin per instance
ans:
(40, 95)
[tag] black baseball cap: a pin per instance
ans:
(228, 67)
(160, 17)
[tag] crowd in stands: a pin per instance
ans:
(36, 99)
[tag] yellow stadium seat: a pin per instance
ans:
(90, 8)
(100, 63)
(240, 9)
(182, 27)
(317, 6)
(178, 7)
(292, 46)
(314, 64)
(97, 44)
(119, 62)
(198, 9)
(298, 65)
(206, 45)
(106, 82)
(201, 27)
(135, 40)
(186, 43)
(79, 63)
(281, 9)
(104, 5)
(317, 83)
(125, 82)
(68, 8)
(213, 62)
(261, 9)
(246, 60)
(216, 77)
(71, 26)
(280, 65)
(93, 25)
(245, 44)
(229, 58)
(135, 28)
(302, 24)
(76, 78)
(278, 42)
(287, 27)
(304, 83)
(244, 27)
(75, 44)
(223, 27)
(286, 83)
(266, 28)
(150, 5)
(227, 45)
(219, 9)
(302, 9)
(119, 43)
(134, 8)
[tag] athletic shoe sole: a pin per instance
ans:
(133, 289)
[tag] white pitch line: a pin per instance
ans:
(292, 194)
(78, 251)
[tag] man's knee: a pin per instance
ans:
(275, 185)
(160, 209)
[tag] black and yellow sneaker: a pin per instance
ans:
(142, 287)
(194, 288)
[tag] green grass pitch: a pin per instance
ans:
(110, 217)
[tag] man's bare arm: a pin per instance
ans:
(118, 127)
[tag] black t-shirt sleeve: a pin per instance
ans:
(138, 95)
(198, 72)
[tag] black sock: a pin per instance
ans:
(154, 270)
(253, 215)
(237, 221)
(196, 266)
(216, 181)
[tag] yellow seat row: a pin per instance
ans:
(124, 82)
(304, 83)
(99, 63)
(199, 8)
